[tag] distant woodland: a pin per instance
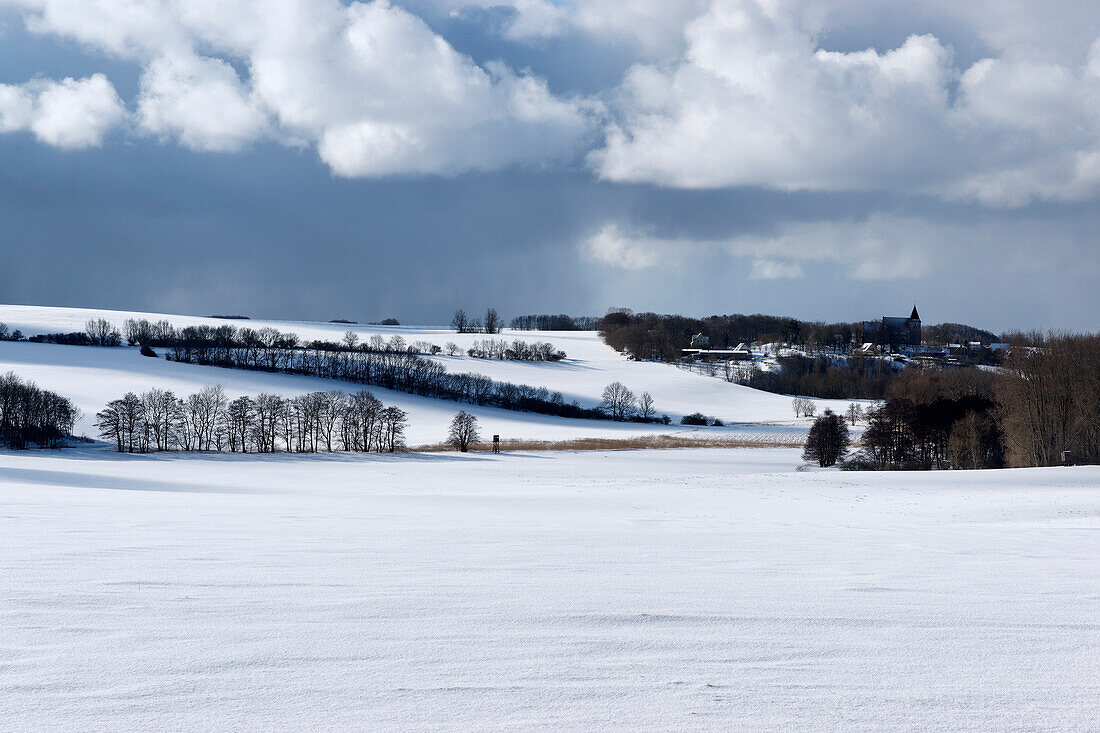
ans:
(661, 337)
(1042, 408)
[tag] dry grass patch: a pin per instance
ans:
(641, 442)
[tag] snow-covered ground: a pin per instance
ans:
(653, 590)
(92, 376)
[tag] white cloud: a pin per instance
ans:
(69, 114)
(200, 101)
(370, 84)
(881, 248)
(613, 247)
(776, 270)
(756, 102)
(723, 92)
(651, 28)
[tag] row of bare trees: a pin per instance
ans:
(515, 351)
(394, 368)
(553, 322)
(33, 416)
(97, 332)
(208, 420)
(492, 323)
(620, 403)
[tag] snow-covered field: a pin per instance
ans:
(653, 590)
(92, 376)
(716, 589)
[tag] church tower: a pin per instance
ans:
(914, 327)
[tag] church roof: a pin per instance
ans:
(914, 316)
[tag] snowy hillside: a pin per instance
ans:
(92, 376)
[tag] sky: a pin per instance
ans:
(317, 159)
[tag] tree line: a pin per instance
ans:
(1041, 409)
(1048, 401)
(6, 334)
(100, 332)
(378, 362)
(97, 332)
(517, 350)
(32, 416)
(932, 419)
(387, 363)
(829, 377)
(158, 420)
(548, 322)
(491, 323)
(661, 337)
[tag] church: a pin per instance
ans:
(893, 334)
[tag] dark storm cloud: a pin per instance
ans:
(544, 208)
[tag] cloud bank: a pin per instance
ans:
(720, 93)
(755, 101)
(370, 85)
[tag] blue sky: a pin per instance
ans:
(825, 159)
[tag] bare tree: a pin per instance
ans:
(393, 423)
(136, 331)
(109, 422)
(803, 407)
(161, 414)
(460, 323)
(362, 420)
(463, 431)
(854, 412)
(618, 401)
(204, 410)
(729, 371)
(645, 405)
(330, 410)
(493, 322)
(102, 333)
(123, 421)
(351, 339)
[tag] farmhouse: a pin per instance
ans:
(741, 353)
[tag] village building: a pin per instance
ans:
(741, 353)
(893, 334)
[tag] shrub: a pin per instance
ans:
(828, 440)
(695, 418)
(860, 461)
